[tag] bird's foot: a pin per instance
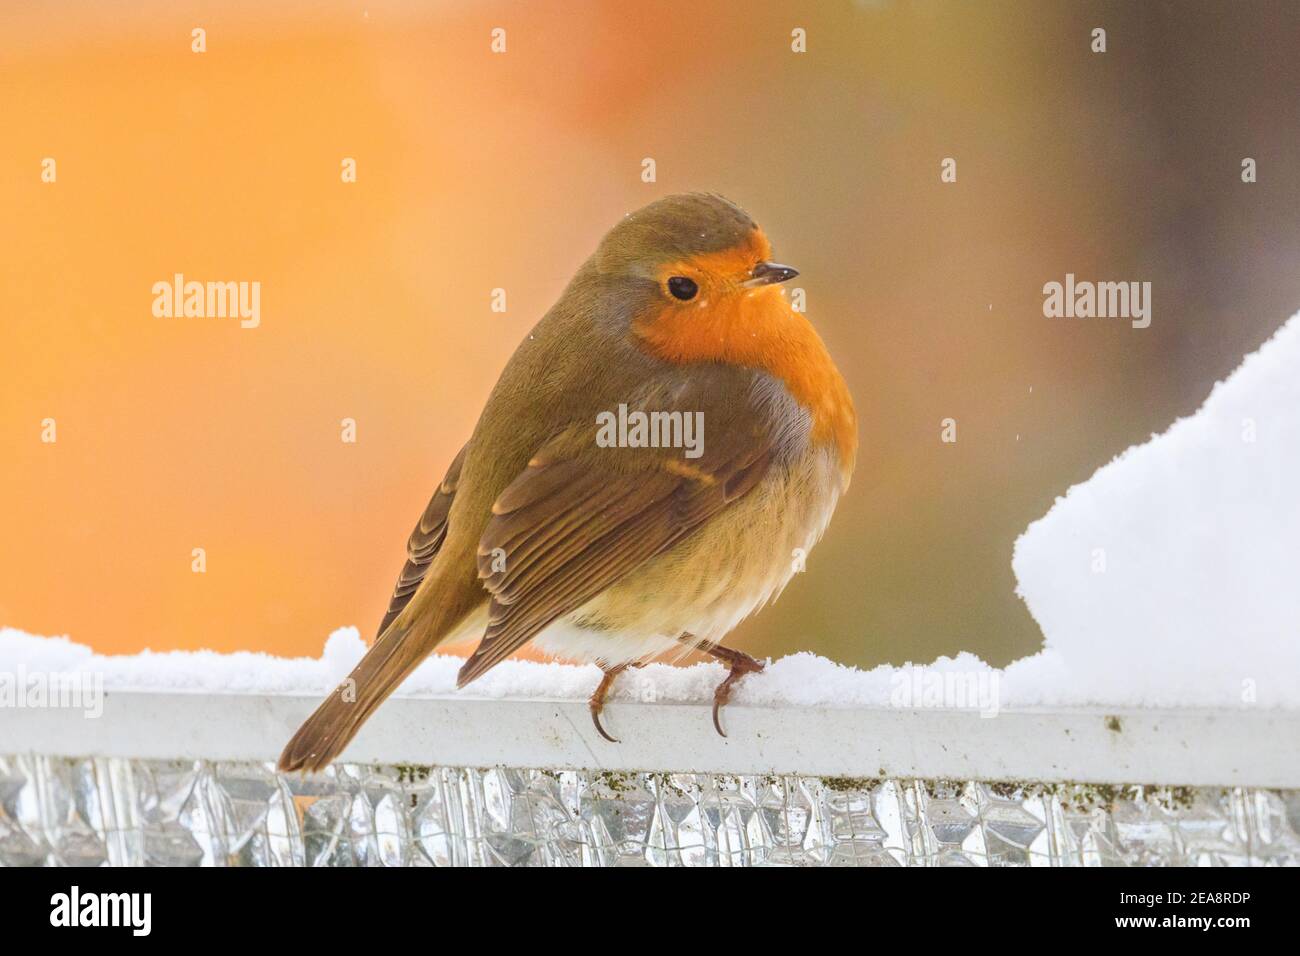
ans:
(741, 664)
(597, 701)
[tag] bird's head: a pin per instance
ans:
(697, 275)
(692, 254)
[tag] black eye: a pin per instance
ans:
(682, 288)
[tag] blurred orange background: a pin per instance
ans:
(478, 170)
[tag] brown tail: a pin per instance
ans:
(336, 721)
(396, 653)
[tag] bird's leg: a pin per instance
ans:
(597, 701)
(741, 664)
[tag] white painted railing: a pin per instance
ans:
(1241, 748)
(175, 777)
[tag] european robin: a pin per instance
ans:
(735, 438)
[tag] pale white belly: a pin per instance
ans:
(710, 582)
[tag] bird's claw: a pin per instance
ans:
(741, 664)
(597, 701)
(595, 719)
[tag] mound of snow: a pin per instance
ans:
(1172, 575)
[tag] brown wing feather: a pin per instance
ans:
(424, 542)
(571, 527)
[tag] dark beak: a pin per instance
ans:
(766, 273)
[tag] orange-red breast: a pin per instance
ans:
(550, 527)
